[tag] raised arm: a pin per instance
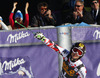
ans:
(26, 8)
(14, 6)
(11, 21)
(51, 44)
(26, 22)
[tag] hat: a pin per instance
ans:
(19, 14)
(1, 18)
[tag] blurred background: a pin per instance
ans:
(59, 7)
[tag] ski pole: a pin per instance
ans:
(24, 26)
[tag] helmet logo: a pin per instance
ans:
(81, 45)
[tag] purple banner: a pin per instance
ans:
(92, 57)
(33, 61)
(25, 36)
(85, 33)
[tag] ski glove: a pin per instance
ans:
(39, 36)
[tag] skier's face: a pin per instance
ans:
(74, 55)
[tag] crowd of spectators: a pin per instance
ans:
(45, 17)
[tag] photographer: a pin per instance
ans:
(44, 17)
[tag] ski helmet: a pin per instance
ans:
(79, 48)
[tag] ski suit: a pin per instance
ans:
(70, 69)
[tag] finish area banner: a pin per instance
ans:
(90, 36)
(23, 56)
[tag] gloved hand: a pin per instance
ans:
(39, 36)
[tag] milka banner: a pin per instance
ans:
(24, 37)
(23, 56)
(91, 37)
(86, 34)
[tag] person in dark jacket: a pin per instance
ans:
(95, 12)
(44, 18)
(79, 14)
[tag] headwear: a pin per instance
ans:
(19, 14)
(80, 47)
(1, 18)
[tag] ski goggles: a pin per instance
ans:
(78, 51)
(43, 8)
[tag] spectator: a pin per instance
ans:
(44, 17)
(79, 14)
(72, 65)
(19, 17)
(95, 12)
(2, 25)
